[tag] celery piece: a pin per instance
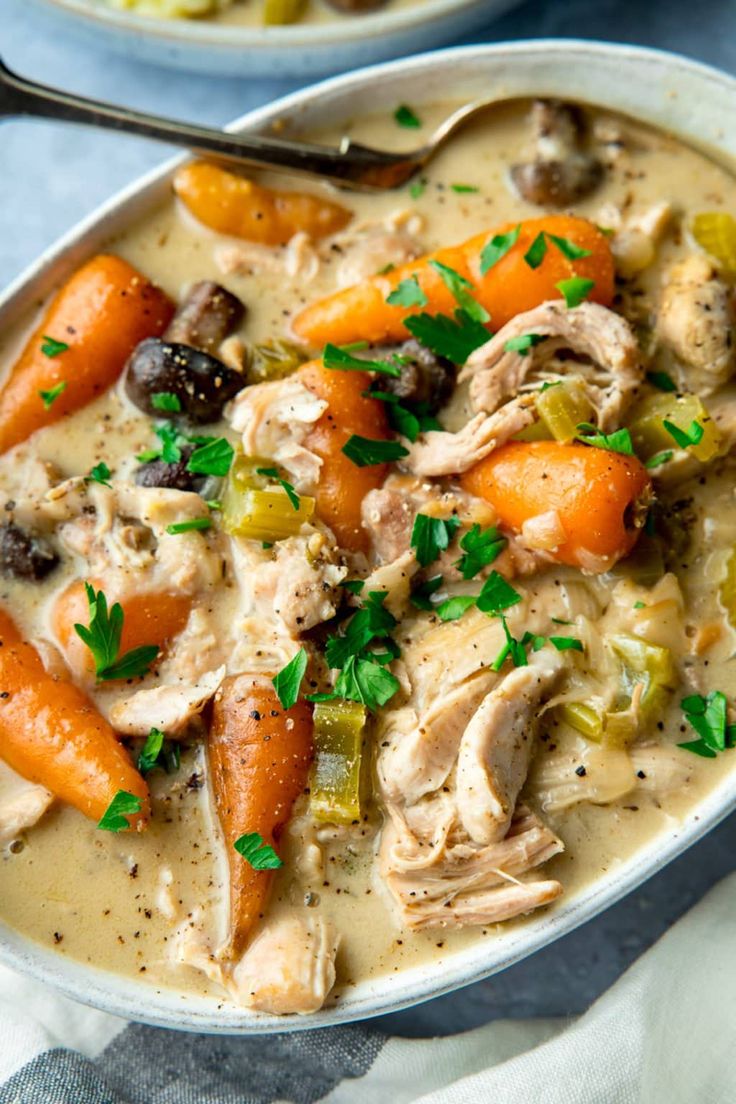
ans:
(334, 785)
(727, 589)
(563, 407)
(583, 718)
(644, 658)
(263, 515)
(715, 232)
(274, 359)
(537, 431)
(651, 436)
(620, 729)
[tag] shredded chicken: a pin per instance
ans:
(289, 967)
(274, 419)
(440, 453)
(497, 746)
(634, 245)
(22, 804)
(605, 339)
(171, 708)
(696, 321)
(370, 245)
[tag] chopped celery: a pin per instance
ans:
(644, 658)
(583, 719)
(620, 729)
(537, 431)
(278, 12)
(274, 360)
(334, 785)
(563, 407)
(253, 508)
(715, 232)
(728, 588)
(651, 436)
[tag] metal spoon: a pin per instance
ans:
(350, 164)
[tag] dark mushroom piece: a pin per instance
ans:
(201, 382)
(563, 170)
(207, 315)
(157, 473)
(24, 555)
(425, 377)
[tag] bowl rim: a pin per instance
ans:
(168, 1007)
(232, 36)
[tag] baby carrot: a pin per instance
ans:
(508, 287)
(230, 204)
(81, 346)
(259, 757)
(599, 496)
(51, 734)
(342, 485)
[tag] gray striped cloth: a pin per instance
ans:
(664, 1034)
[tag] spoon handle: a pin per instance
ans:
(350, 164)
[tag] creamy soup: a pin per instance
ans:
(408, 652)
(254, 13)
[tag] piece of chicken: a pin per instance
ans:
(274, 419)
(172, 708)
(289, 967)
(611, 375)
(22, 804)
(696, 321)
(438, 453)
(497, 746)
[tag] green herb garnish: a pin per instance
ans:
(684, 438)
(406, 117)
(189, 526)
(342, 360)
(454, 608)
(575, 290)
(464, 189)
(454, 338)
(287, 682)
(51, 348)
(260, 855)
(565, 643)
(407, 294)
(659, 458)
(496, 594)
(115, 816)
(458, 287)
(498, 247)
(480, 547)
(214, 458)
(149, 753)
(102, 637)
(619, 441)
(513, 649)
(272, 473)
(49, 397)
(100, 473)
(430, 536)
(353, 585)
(568, 248)
(709, 717)
(537, 251)
(523, 343)
(166, 401)
(420, 597)
(661, 380)
(364, 451)
(417, 188)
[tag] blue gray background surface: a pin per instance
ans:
(50, 176)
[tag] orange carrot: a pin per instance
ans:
(510, 286)
(598, 495)
(101, 314)
(150, 618)
(342, 485)
(259, 759)
(230, 204)
(51, 734)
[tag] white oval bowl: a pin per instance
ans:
(692, 101)
(298, 50)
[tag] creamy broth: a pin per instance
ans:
(118, 900)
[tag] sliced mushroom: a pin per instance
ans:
(201, 383)
(563, 170)
(208, 314)
(425, 377)
(23, 555)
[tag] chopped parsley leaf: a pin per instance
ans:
(640, 605)
(149, 753)
(565, 643)
(480, 548)
(51, 348)
(405, 116)
(407, 294)
(684, 438)
(342, 360)
(523, 343)
(102, 637)
(619, 441)
(709, 717)
(188, 526)
(49, 397)
(417, 188)
(454, 338)
(166, 401)
(366, 681)
(287, 682)
(661, 380)
(659, 458)
(455, 607)
(272, 473)
(100, 473)
(496, 594)
(407, 419)
(575, 290)
(353, 585)
(431, 535)
(458, 286)
(372, 621)
(214, 458)
(498, 247)
(364, 451)
(464, 189)
(115, 816)
(513, 649)
(568, 248)
(560, 621)
(537, 251)
(260, 855)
